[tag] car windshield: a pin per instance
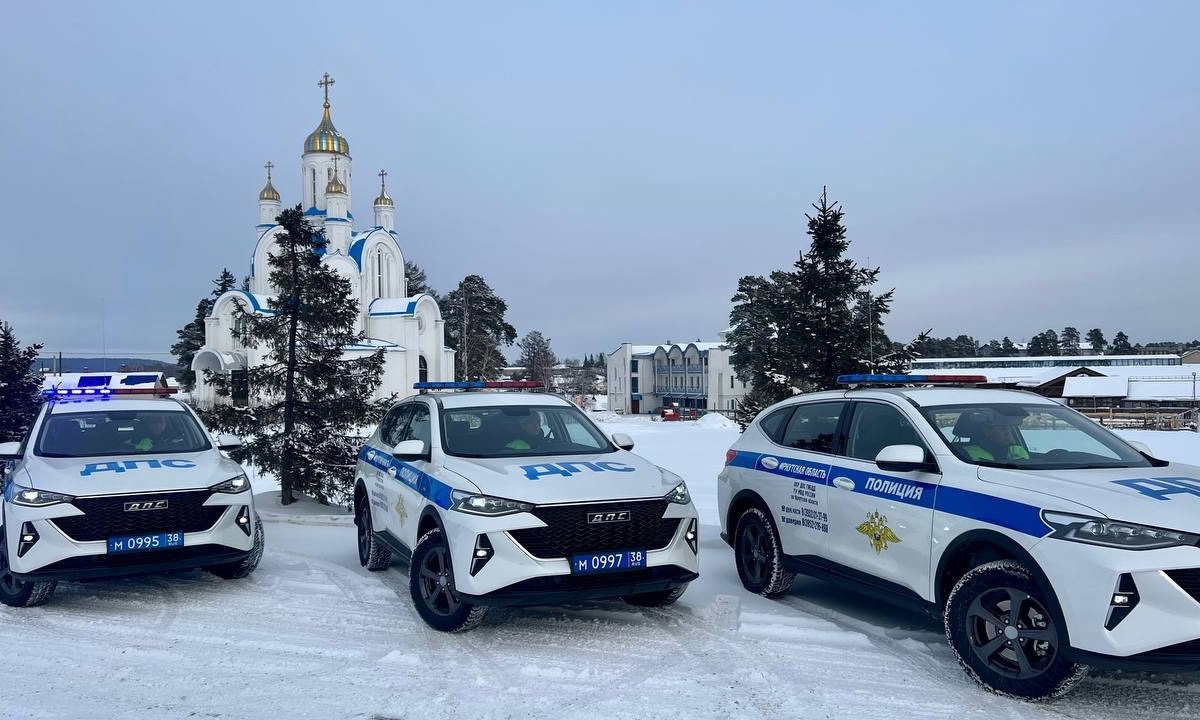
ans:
(519, 431)
(1033, 437)
(120, 432)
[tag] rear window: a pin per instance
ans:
(516, 431)
(120, 432)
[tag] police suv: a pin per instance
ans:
(514, 498)
(1043, 542)
(112, 482)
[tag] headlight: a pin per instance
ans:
(679, 494)
(232, 485)
(1112, 533)
(486, 505)
(35, 498)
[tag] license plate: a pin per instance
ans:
(143, 543)
(607, 561)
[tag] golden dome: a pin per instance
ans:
(326, 138)
(383, 198)
(335, 185)
(269, 193)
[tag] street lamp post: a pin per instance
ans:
(1195, 419)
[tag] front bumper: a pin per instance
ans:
(58, 556)
(1162, 629)
(514, 575)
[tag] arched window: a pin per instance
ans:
(422, 369)
(313, 196)
(379, 272)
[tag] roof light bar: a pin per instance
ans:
(101, 393)
(901, 379)
(478, 385)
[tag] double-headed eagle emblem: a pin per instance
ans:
(877, 532)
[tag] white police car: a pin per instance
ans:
(113, 482)
(1044, 543)
(510, 498)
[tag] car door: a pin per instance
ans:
(385, 489)
(880, 521)
(795, 475)
(411, 481)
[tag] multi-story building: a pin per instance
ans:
(643, 378)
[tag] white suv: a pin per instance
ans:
(107, 485)
(1043, 542)
(507, 498)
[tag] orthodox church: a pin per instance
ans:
(409, 329)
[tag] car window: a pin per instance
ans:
(874, 426)
(813, 426)
(1032, 436)
(393, 424)
(418, 426)
(516, 431)
(774, 424)
(120, 432)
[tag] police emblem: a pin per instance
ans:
(877, 531)
(400, 510)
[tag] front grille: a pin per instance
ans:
(1189, 580)
(568, 532)
(106, 517)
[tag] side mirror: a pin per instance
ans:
(411, 450)
(225, 441)
(10, 451)
(903, 458)
(622, 441)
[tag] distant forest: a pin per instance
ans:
(96, 364)
(1068, 341)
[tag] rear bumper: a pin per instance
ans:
(101, 567)
(558, 589)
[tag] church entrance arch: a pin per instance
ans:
(422, 369)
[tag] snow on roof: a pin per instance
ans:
(1096, 387)
(1164, 388)
(393, 306)
(647, 350)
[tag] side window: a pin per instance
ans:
(418, 427)
(874, 426)
(393, 424)
(774, 424)
(813, 426)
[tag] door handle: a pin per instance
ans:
(844, 483)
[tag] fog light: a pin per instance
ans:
(29, 538)
(483, 553)
(692, 536)
(243, 519)
(1122, 602)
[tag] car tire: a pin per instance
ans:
(371, 553)
(21, 593)
(758, 553)
(657, 598)
(1013, 653)
(242, 568)
(431, 583)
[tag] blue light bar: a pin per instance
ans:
(450, 385)
(901, 379)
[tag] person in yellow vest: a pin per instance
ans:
(527, 433)
(996, 441)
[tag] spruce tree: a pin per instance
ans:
(1007, 347)
(797, 330)
(476, 329)
(417, 282)
(1095, 338)
(191, 336)
(537, 358)
(1069, 341)
(1121, 344)
(307, 399)
(20, 387)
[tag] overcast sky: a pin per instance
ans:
(613, 168)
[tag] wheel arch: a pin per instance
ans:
(742, 501)
(430, 520)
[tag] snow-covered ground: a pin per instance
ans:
(312, 635)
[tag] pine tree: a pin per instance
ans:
(20, 387)
(537, 358)
(1095, 338)
(1007, 347)
(307, 399)
(1120, 345)
(1069, 341)
(191, 336)
(475, 328)
(797, 330)
(417, 282)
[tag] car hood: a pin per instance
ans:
(566, 478)
(134, 474)
(1167, 497)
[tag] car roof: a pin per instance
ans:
(931, 396)
(485, 398)
(117, 403)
